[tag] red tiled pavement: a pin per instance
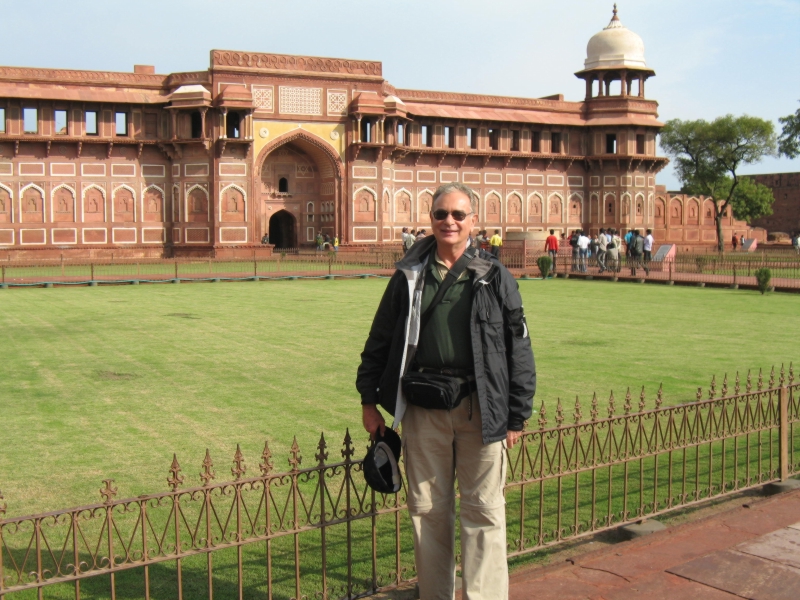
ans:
(638, 569)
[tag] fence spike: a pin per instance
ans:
(108, 491)
(725, 386)
(737, 387)
(578, 416)
(266, 465)
(176, 479)
(559, 413)
(749, 381)
(542, 416)
(322, 454)
(760, 380)
(782, 380)
(295, 459)
(348, 450)
(611, 407)
(712, 392)
(699, 394)
(791, 373)
(772, 377)
(208, 474)
(594, 406)
(627, 406)
(660, 396)
(3, 506)
(239, 467)
(641, 400)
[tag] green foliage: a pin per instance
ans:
(763, 278)
(709, 155)
(544, 263)
(751, 200)
(789, 141)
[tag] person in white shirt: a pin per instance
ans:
(648, 247)
(583, 247)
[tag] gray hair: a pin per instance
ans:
(449, 188)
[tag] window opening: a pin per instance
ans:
(2, 120)
(233, 121)
(91, 122)
(366, 131)
(640, 143)
(472, 137)
(449, 137)
(611, 143)
(60, 119)
(401, 134)
(121, 123)
(494, 134)
(536, 142)
(283, 185)
(30, 120)
(197, 125)
(555, 143)
(515, 140)
(425, 137)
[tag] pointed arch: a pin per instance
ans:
(424, 203)
(638, 209)
(6, 205)
(196, 204)
(121, 206)
(56, 205)
(320, 146)
(93, 203)
(514, 207)
(610, 212)
(555, 208)
(403, 205)
(576, 208)
(31, 210)
(493, 207)
(229, 209)
(535, 212)
(364, 204)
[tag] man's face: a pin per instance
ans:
(449, 232)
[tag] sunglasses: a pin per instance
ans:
(440, 214)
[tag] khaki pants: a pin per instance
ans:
(439, 446)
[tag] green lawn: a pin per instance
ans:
(110, 381)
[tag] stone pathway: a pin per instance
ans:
(752, 551)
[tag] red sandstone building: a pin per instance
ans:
(207, 162)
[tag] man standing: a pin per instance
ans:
(476, 336)
(602, 245)
(408, 240)
(573, 242)
(636, 250)
(496, 242)
(734, 241)
(551, 247)
(648, 248)
(583, 251)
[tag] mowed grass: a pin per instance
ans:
(108, 382)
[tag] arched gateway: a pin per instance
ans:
(299, 183)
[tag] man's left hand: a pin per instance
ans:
(512, 437)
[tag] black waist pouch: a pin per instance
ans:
(432, 390)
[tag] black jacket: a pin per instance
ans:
(501, 347)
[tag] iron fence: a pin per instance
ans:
(319, 531)
(723, 269)
(312, 264)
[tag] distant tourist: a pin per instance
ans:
(636, 251)
(734, 241)
(407, 240)
(612, 251)
(496, 242)
(319, 241)
(648, 247)
(421, 235)
(265, 239)
(796, 242)
(573, 242)
(602, 245)
(336, 243)
(551, 247)
(628, 238)
(583, 250)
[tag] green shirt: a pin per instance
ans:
(446, 339)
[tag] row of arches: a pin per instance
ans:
(684, 211)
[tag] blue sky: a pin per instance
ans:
(711, 57)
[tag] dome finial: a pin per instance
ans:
(614, 22)
(615, 13)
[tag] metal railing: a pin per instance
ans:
(720, 269)
(279, 266)
(318, 530)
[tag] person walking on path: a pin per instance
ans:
(636, 249)
(613, 250)
(573, 242)
(734, 241)
(496, 242)
(551, 247)
(476, 339)
(602, 245)
(319, 241)
(583, 251)
(649, 240)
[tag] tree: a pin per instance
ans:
(708, 157)
(789, 142)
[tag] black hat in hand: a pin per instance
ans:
(380, 464)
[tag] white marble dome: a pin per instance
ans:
(615, 47)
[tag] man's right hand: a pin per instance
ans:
(372, 419)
